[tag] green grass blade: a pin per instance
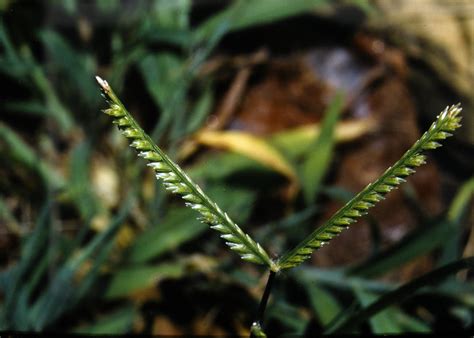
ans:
(55, 108)
(289, 317)
(131, 279)
(118, 322)
(245, 13)
(176, 228)
(338, 279)
(78, 188)
(175, 180)
(16, 280)
(461, 201)
(201, 110)
(172, 14)
(411, 324)
(70, 65)
(10, 62)
(447, 122)
(20, 152)
(27, 107)
(402, 293)
(383, 322)
(458, 209)
(161, 74)
(324, 304)
(320, 153)
(420, 242)
(61, 294)
(178, 225)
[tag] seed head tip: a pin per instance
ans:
(105, 86)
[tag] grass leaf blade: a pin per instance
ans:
(320, 153)
(403, 292)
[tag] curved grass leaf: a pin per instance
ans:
(446, 123)
(400, 294)
(22, 153)
(320, 152)
(115, 323)
(175, 180)
(126, 281)
(325, 306)
(383, 322)
(253, 13)
(251, 146)
(176, 228)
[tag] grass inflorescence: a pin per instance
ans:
(176, 181)
(446, 123)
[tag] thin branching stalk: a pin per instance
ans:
(176, 181)
(256, 329)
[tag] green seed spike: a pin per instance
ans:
(403, 172)
(141, 145)
(176, 181)
(416, 161)
(394, 181)
(363, 205)
(383, 188)
(152, 156)
(122, 122)
(373, 198)
(114, 110)
(158, 167)
(447, 122)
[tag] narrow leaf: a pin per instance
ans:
(383, 322)
(71, 64)
(78, 188)
(200, 111)
(320, 152)
(246, 13)
(325, 306)
(420, 242)
(402, 293)
(250, 146)
(293, 143)
(126, 281)
(116, 323)
(21, 152)
(177, 227)
(461, 201)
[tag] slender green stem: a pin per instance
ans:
(266, 294)
(257, 324)
(401, 294)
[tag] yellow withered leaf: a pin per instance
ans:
(250, 146)
(295, 141)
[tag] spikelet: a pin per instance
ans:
(446, 123)
(176, 181)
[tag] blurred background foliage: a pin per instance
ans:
(281, 111)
